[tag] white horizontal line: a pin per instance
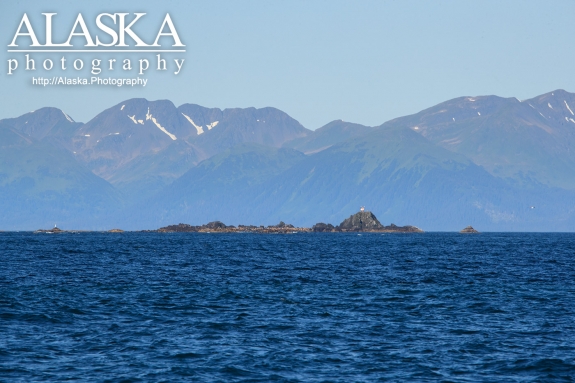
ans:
(97, 50)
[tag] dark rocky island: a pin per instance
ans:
(364, 221)
(323, 228)
(54, 230)
(469, 230)
(220, 227)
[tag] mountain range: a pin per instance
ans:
(499, 164)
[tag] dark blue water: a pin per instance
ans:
(305, 307)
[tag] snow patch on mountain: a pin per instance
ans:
(198, 128)
(133, 118)
(212, 125)
(567, 105)
(153, 119)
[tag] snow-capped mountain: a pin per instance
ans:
(492, 162)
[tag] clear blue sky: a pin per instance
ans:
(360, 61)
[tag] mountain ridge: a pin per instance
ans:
(510, 138)
(491, 162)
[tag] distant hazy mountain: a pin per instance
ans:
(490, 162)
(141, 146)
(529, 141)
(409, 180)
(47, 124)
(222, 186)
(327, 136)
(395, 171)
(42, 185)
(223, 129)
(126, 132)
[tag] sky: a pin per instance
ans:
(361, 61)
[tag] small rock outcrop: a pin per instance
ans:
(469, 230)
(282, 225)
(179, 228)
(215, 225)
(362, 221)
(53, 230)
(323, 228)
(116, 231)
(366, 221)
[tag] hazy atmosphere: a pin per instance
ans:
(361, 61)
(287, 191)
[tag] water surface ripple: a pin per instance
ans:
(288, 308)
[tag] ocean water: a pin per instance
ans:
(289, 308)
